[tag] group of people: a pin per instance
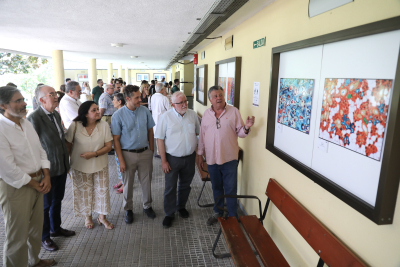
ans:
(38, 153)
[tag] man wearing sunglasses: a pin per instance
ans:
(221, 126)
(47, 124)
(176, 141)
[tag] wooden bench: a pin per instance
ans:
(330, 249)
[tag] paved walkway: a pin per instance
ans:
(145, 242)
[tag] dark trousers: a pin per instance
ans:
(52, 205)
(178, 179)
(224, 182)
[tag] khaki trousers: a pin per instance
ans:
(143, 164)
(23, 218)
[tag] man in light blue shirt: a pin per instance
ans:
(132, 129)
(106, 105)
(176, 141)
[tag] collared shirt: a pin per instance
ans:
(105, 101)
(83, 142)
(21, 152)
(68, 109)
(97, 91)
(174, 89)
(59, 129)
(179, 132)
(159, 105)
(221, 145)
(132, 126)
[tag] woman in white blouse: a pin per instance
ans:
(89, 141)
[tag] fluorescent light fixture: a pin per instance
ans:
(117, 44)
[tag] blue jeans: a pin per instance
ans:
(52, 205)
(224, 182)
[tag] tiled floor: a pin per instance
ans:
(145, 242)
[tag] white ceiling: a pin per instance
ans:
(153, 30)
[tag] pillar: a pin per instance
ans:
(58, 68)
(127, 75)
(110, 73)
(119, 71)
(92, 73)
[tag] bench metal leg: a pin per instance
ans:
(198, 199)
(219, 256)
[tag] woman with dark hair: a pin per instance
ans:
(119, 102)
(112, 81)
(89, 141)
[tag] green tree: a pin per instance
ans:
(13, 63)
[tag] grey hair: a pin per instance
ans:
(177, 95)
(6, 94)
(39, 94)
(71, 86)
(214, 88)
(159, 87)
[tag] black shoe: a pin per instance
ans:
(183, 213)
(167, 222)
(129, 217)
(63, 232)
(49, 245)
(150, 213)
(213, 219)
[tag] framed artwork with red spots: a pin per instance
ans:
(354, 114)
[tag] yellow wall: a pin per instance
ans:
(283, 22)
(186, 73)
(103, 74)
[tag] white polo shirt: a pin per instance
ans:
(68, 109)
(178, 132)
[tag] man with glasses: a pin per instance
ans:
(176, 141)
(47, 124)
(25, 177)
(106, 105)
(70, 103)
(221, 126)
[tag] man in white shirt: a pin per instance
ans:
(70, 103)
(159, 105)
(22, 163)
(176, 140)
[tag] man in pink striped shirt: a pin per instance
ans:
(220, 128)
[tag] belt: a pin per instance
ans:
(107, 115)
(35, 174)
(140, 150)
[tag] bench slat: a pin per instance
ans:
(240, 249)
(262, 241)
(331, 250)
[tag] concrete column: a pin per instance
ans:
(110, 73)
(127, 80)
(120, 71)
(58, 67)
(92, 73)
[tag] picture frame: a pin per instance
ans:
(83, 77)
(159, 76)
(201, 84)
(231, 78)
(387, 187)
(142, 76)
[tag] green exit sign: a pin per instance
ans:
(259, 43)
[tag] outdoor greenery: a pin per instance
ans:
(14, 63)
(27, 81)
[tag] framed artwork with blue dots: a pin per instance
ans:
(354, 114)
(295, 102)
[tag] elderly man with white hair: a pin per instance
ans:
(70, 103)
(176, 140)
(159, 105)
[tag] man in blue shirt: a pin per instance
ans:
(176, 141)
(106, 105)
(132, 129)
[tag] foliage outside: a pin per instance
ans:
(13, 63)
(27, 82)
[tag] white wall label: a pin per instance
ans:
(323, 145)
(256, 93)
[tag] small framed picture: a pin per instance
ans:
(142, 76)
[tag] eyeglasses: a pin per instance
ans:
(181, 103)
(52, 94)
(218, 123)
(19, 101)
